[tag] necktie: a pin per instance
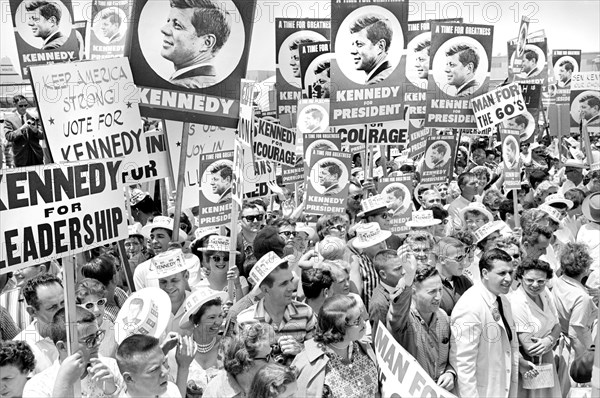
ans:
(23, 119)
(501, 310)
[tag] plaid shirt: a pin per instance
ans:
(111, 311)
(299, 321)
(8, 329)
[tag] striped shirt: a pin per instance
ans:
(111, 311)
(15, 304)
(369, 276)
(299, 321)
(8, 329)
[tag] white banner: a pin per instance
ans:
(497, 106)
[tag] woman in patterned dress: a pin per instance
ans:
(337, 363)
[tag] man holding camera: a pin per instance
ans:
(23, 131)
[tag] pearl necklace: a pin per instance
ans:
(204, 348)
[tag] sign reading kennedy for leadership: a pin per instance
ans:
(290, 33)
(496, 106)
(439, 152)
(328, 182)
(44, 32)
(367, 69)
(585, 101)
(110, 23)
(274, 142)
(188, 58)
(459, 70)
(90, 111)
(59, 210)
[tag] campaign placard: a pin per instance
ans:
(329, 141)
(192, 72)
(59, 210)
(459, 70)
(439, 154)
(534, 61)
(290, 33)
(418, 37)
(384, 133)
(328, 182)
(398, 191)
(399, 372)
(274, 142)
(585, 101)
(417, 137)
(44, 32)
(110, 28)
(496, 106)
(565, 63)
(315, 64)
(158, 166)
(216, 182)
(292, 175)
(527, 122)
(511, 153)
(368, 65)
(80, 29)
(313, 116)
(202, 139)
(518, 46)
(90, 111)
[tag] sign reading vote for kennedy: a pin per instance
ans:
(400, 373)
(496, 106)
(188, 58)
(90, 111)
(59, 210)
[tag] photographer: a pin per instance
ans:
(22, 129)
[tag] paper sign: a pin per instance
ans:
(328, 182)
(274, 142)
(439, 153)
(510, 158)
(498, 105)
(398, 191)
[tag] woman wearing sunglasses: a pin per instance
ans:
(91, 295)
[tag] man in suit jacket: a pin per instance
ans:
(589, 107)
(22, 131)
(530, 64)
(462, 61)
(484, 349)
(44, 21)
(371, 38)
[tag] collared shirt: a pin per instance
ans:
(182, 71)
(369, 276)
(380, 303)
(224, 385)
(173, 325)
(43, 348)
(42, 384)
(454, 211)
(299, 320)
(452, 290)
(429, 342)
(111, 311)
(575, 308)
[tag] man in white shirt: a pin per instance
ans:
(44, 296)
(143, 366)
(98, 377)
(468, 184)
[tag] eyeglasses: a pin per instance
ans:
(23, 106)
(253, 218)
(217, 259)
(340, 227)
(90, 306)
(95, 340)
(287, 234)
(357, 196)
(457, 259)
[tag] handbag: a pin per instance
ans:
(544, 379)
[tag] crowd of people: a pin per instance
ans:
(492, 295)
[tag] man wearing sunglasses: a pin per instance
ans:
(452, 258)
(252, 220)
(23, 133)
(99, 376)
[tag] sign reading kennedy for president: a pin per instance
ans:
(398, 191)
(328, 182)
(510, 158)
(44, 32)
(566, 62)
(110, 23)
(459, 70)
(290, 33)
(439, 153)
(188, 58)
(367, 69)
(216, 183)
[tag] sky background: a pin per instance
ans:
(568, 24)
